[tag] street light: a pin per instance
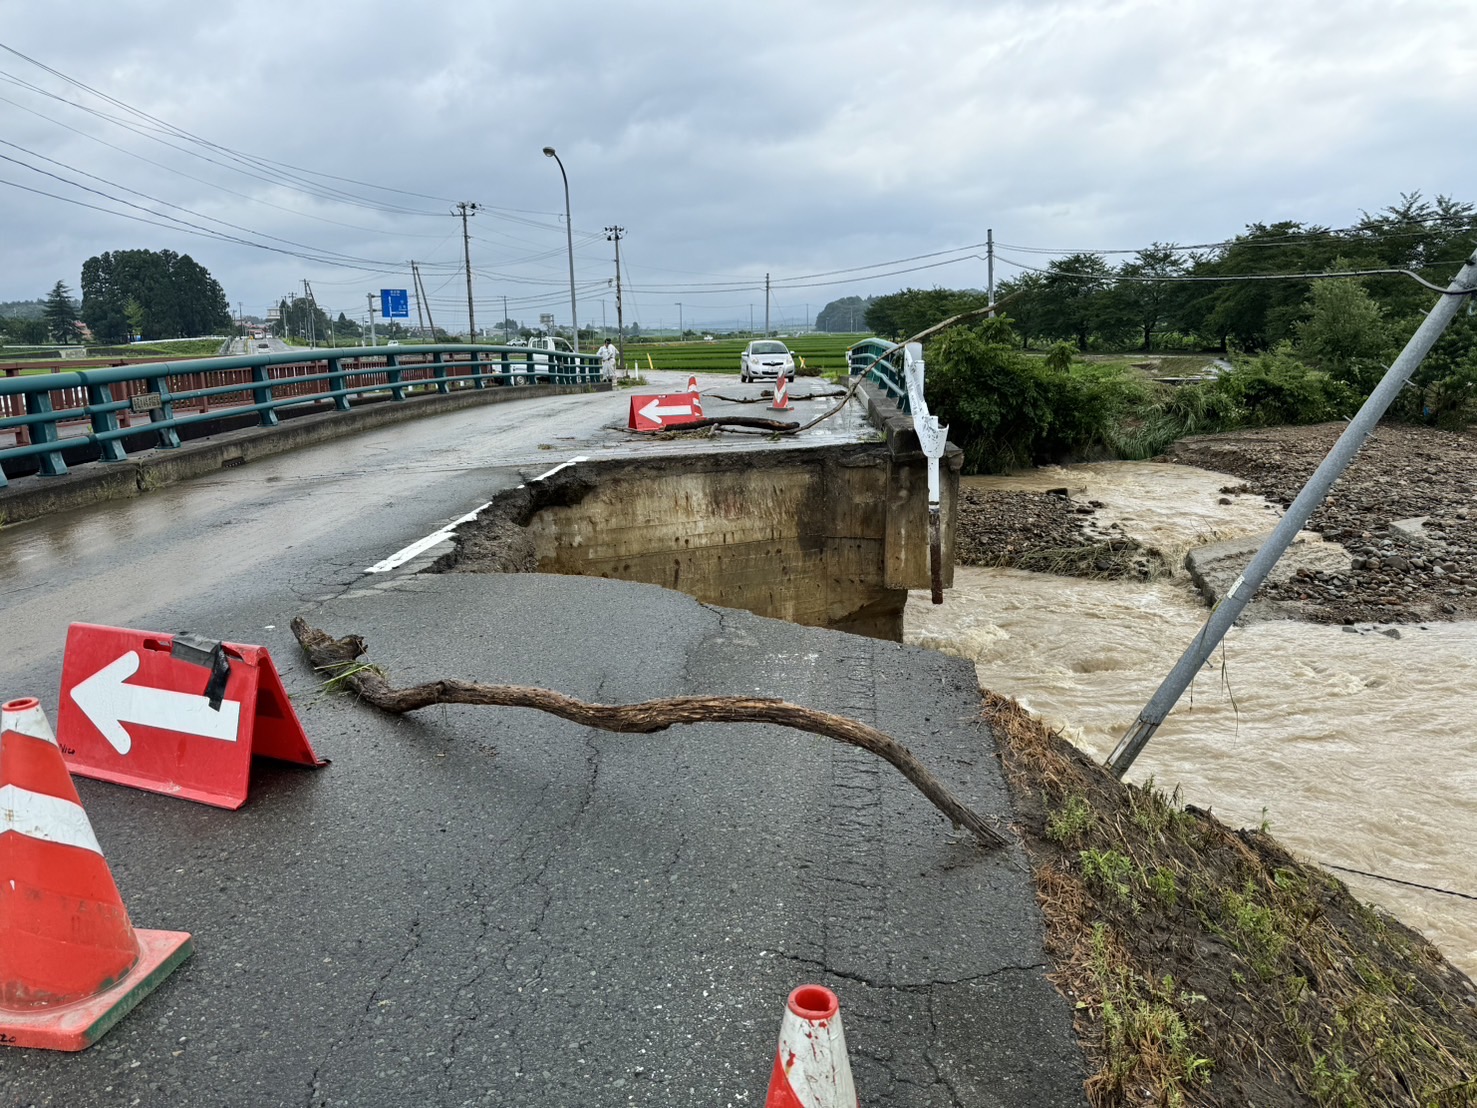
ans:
(569, 236)
(680, 332)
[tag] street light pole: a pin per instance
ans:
(574, 318)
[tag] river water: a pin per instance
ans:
(1357, 747)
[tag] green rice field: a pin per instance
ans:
(820, 352)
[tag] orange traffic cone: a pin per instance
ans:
(811, 1069)
(71, 965)
(692, 384)
(781, 396)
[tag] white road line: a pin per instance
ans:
(420, 546)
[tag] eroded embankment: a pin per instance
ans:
(827, 537)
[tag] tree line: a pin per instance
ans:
(1168, 298)
(126, 294)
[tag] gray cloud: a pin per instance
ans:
(729, 140)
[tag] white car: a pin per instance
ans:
(766, 359)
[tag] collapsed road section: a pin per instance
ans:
(830, 536)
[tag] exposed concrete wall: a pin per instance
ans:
(30, 497)
(827, 537)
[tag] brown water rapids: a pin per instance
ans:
(1357, 747)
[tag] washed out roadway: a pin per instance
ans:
(493, 906)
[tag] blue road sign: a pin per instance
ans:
(394, 304)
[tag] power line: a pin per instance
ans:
(1237, 277)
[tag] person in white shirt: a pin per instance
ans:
(608, 357)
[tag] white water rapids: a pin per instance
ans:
(1358, 748)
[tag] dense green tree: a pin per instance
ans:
(1147, 291)
(1345, 335)
(901, 314)
(1075, 298)
(30, 331)
(61, 314)
(176, 297)
(1024, 294)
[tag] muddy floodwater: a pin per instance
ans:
(1357, 746)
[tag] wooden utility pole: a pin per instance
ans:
(466, 208)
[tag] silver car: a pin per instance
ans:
(765, 359)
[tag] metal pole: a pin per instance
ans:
(990, 266)
(614, 234)
(574, 318)
(415, 283)
(506, 335)
(679, 321)
(766, 304)
(369, 296)
(1329, 471)
(465, 208)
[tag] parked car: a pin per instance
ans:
(766, 359)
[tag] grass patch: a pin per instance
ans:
(1209, 967)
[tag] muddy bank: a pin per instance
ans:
(1405, 573)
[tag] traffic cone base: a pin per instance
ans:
(78, 1025)
(71, 963)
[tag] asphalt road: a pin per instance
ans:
(485, 906)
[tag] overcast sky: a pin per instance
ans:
(728, 140)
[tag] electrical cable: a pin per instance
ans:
(1232, 278)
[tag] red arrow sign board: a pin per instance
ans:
(134, 714)
(657, 413)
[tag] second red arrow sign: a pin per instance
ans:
(657, 413)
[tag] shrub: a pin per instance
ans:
(1275, 388)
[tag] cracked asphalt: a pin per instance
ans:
(478, 906)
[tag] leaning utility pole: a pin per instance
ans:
(507, 337)
(990, 267)
(313, 308)
(766, 305)
(1461, 289)
(613, 234)
(415, 283)
(466, 208)
(311, 327)
(421, 297)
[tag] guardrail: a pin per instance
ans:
(104, 403)
(881, 361)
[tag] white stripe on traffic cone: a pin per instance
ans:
(781, 396)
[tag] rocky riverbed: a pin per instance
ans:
(1398, 571)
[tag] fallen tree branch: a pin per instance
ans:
(338, 658)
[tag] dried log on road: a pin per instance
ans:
(339, 659)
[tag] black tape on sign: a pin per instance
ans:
(209, 653)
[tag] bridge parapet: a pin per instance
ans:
(93, 412)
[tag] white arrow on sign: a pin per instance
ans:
(109, 703)
(654, 411)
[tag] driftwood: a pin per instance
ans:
(338, 658)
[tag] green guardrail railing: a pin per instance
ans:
(107, 399)
(881, 362)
